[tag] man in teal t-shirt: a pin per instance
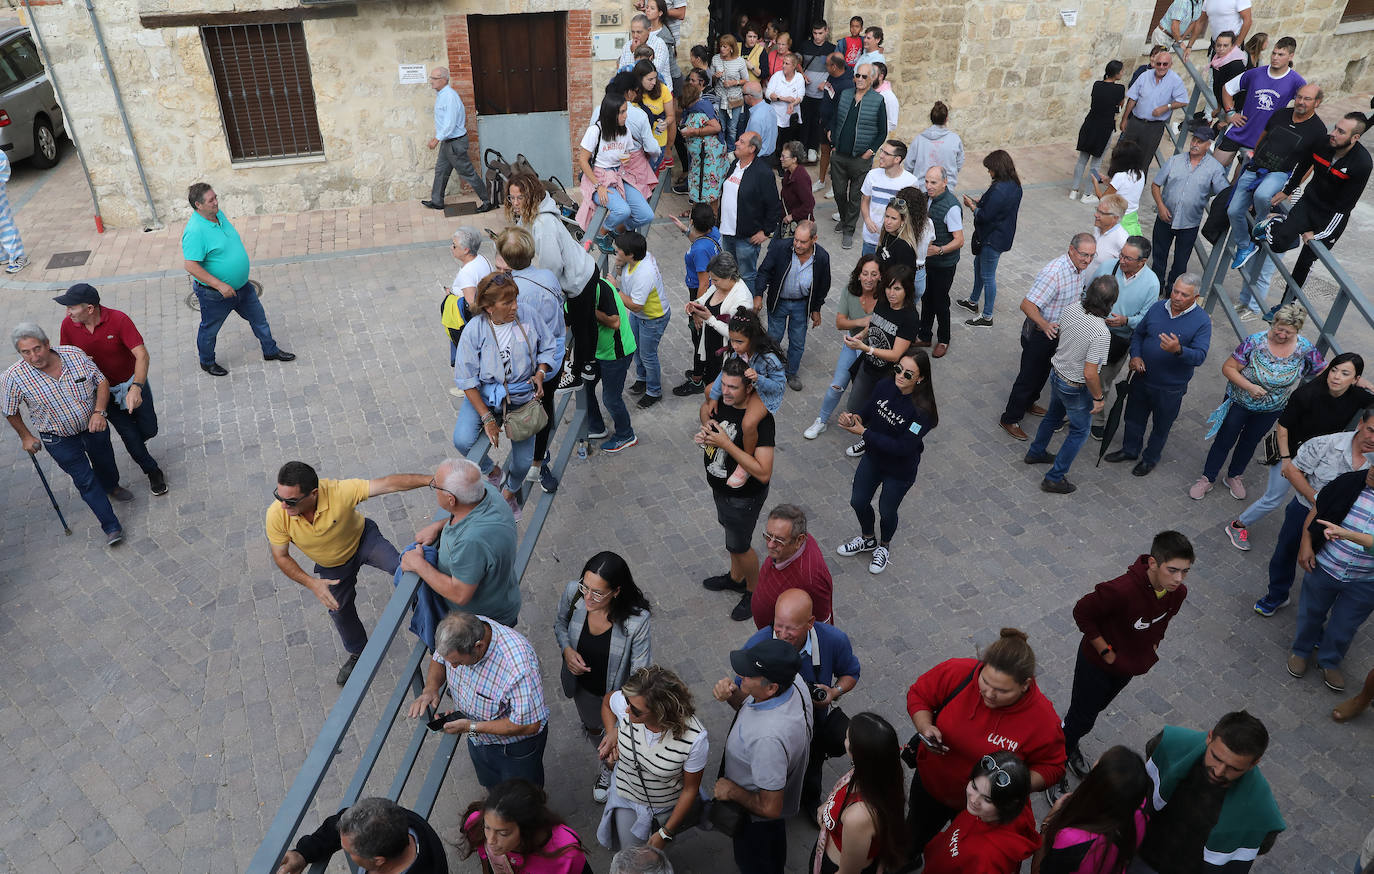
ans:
(474, 533)
(218, 264)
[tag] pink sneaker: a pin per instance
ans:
(496, 476)
(1200, 488)
(1236, 487)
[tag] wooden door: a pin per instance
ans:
(519, 62)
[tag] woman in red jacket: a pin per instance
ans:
(995, 832)
(965, 709)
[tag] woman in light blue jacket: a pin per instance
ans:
(602, 627)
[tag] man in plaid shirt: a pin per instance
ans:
(492, 675)
(68, 400)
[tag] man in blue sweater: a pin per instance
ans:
(1170, 343)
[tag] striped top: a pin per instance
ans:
(504, 684)
(654, 776)
(1350, 561)
(1083, 338)
(61, 406)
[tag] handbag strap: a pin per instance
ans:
(720, 772)
(634, 749)
(955, 694)
(505, 401)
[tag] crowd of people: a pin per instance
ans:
(538, 313)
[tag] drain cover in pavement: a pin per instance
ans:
(68, 259)
(457, 209)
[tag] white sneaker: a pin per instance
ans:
(1073, 194)
(811, 156)
(878, 563)
(835, 217)
(815, 430)
(856, 450)
(857, 545)
(1088, 198)
(829, 195)
(456, 391)
(818, 185)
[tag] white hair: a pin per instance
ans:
(28, 331)
(462, 479)
(468, 238)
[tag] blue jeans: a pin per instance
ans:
(215, 308)
(465, 433)
(795, 316)
(1330, 611)
(1283, 564)
(648, 334)
(985, 278)
(1274, 493)
(1253, 189)
(746, 254)
(89, 460)
(837, 382)
(136, 428)
(613, 375)
(867, 479)
(1145, 401)
(1075, 404)
(373, 549)
(918, 284)
(523, 759)
(868, 248)
(630, 209)
(731, 118)
(1243, 429)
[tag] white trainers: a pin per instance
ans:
(811, 156)
(835, 217)
(878, 563)
(17, 264)
(857, 545)
(829, 195)
(1073, 194)
(818, 185)
(1088, 198)
(814, 430)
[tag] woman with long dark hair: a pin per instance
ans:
(513, 830)
(1097, 828)
(659, 749)
(1096, 131)
(601, 156)
(891, 329)
(994, 229)
(894, 424)
(995, 832)
(861, 820)
(855, 308)
(602, 628)
(1125, 176)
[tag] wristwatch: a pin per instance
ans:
(663, 833)
(104, 413)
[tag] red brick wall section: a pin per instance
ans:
(460, 77)
(580, 85)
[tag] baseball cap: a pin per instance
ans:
(1203, 131)
(775, 660)
(79, 293)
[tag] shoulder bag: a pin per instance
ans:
(913, 745)
(529, 418)
(726, 817)
(1271, 449)
(693, 817)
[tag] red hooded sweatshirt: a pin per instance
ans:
(970, 846)
(1127, 614)
(1029, 727)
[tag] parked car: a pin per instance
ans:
(30, 119)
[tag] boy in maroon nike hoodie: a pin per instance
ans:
(1123, 621)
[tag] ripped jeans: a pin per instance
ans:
(838, 382)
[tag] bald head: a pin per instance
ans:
(792, 617)
(438, 78)
(1306, 101)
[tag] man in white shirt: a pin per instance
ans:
(889, 96)
(881, 185)
(1111, 236)
(1222, 15)
(873, 47)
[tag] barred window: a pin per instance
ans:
(266, 98)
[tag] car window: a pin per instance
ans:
(8, 77)
(23, 58)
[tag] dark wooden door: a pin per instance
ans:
(519, 62)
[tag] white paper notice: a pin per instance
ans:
(413, 74)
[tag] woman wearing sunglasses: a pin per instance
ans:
(894, 424)
(965, 709)
(995, 832)
(659, 749)
(503, 358)
(602, 627)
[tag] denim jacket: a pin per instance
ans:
(478, 361)
(772, 384)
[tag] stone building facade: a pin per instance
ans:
(1012, 71)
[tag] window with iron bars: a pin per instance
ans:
(266, 98)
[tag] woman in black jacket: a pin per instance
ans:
(894, 424)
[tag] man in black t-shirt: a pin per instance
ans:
(378, 835)
(1289, 135)
(723, 438)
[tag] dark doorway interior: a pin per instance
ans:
(796, 15)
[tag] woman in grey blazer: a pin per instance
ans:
(602, 627)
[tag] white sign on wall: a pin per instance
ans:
(413, 74)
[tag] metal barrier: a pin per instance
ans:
(1217, 258)
(394, 619)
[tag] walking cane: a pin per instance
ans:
(63, 519)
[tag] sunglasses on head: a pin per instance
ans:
(898, 203)
(996, 774)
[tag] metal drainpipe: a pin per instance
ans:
(71, 131)
(123, 116)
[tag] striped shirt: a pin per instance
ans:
(1349, 561)
(504, 684)
(1057, 283)
(61, 406)
(1083, 338)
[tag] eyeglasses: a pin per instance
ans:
(999, 777)
(291, 502)
(905, 373)
(769, 538)
(1125, 257)
(434, 484)
(1083, 254)
(1162, 64)
(862, 76)
(597, 595)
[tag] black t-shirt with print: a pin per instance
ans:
(1285, 142)
(720, 464)
(884, 328)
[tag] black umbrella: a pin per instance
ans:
(1113, 422)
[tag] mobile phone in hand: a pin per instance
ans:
(438, 722)
(935, 746)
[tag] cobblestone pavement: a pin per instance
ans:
(158, 699)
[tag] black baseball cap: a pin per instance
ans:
(775, 660)
(79, 293)
(1203, 131)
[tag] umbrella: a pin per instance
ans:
(1113, 421)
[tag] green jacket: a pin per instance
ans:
(871, 127)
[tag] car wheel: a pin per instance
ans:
(44, 144)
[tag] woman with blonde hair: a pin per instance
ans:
(659, 749)
(731, 72)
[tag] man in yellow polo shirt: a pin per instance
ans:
(320, 516)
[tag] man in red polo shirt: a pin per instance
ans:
(110, 338)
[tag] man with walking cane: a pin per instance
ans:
(68, 400)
